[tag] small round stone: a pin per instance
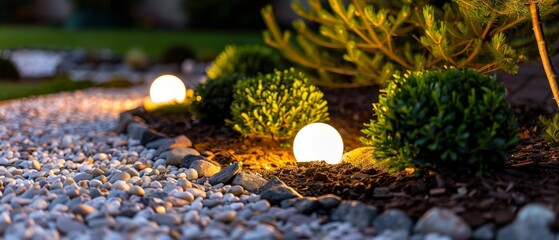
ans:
(137, 190)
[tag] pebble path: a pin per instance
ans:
(66, 174)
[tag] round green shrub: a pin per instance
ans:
(453, 121)
(245, 59)
(215, 99)
(276, 105)
(8, 70)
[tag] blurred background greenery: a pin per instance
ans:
(164, 31)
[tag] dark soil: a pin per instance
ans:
(530, 174)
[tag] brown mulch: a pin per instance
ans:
(531, 174)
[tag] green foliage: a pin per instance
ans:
(551, 128)
(276, 105)
(245, 59)
(451, 120)
(8, 70)
(216, 97)
(370, 40)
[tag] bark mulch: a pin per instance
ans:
(531, 174)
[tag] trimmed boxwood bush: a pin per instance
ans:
(276, 105)
(453, 121)
(249, 60)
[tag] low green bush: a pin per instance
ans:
(550, 128)
(215, 98)
(245, 59)
(276, 105)
(452, 121)
(8, 70)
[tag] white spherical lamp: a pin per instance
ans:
(318, 141)
(167, 88)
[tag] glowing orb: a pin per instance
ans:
(167, 88)
(318, 141)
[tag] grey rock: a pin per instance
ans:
(535, 214)
(485, 232)
(181, 142)
(97, 192)
(68, 225)
(136, 130)
(123, 176)
(236, 190)
(276, 191)
(329, 201)
(356, 213)
(156, 143)
(205, 168)
(137, 190)
(130, 170)
(189, 159)
(444, 222)
(166, 219)
(191, 174)
(150, 135)
(249, 181)
(393, 219)
(105, 221)
(226, 216)
(225, 175)
(519, 230)
(83, 176)
(176, 155)
(83, 209)
(210, 203)
(306, 205)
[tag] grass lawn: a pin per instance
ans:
(205, 43)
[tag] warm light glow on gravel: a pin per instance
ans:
(318, 141)
(167, 88)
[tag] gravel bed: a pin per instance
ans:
(65, 173)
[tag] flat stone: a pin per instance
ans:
(249, 181)
(444, 222)
(519, 230)
(176, 155)
(226, 216)
(306, 205)
(136, 130)
(150, 135)
(356, 213)
(329, 201)
(83, 209)
(276, 191)
(181, 142)
(68, 225)
(123, 176)
(83, 176)
(236, 190)
(185, 196)
(166, 219)
(196, 192)
(156, 143)
(394, 220)
(205, 168)
(225, 175)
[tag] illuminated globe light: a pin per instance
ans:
(318, 141)
(167, 88)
